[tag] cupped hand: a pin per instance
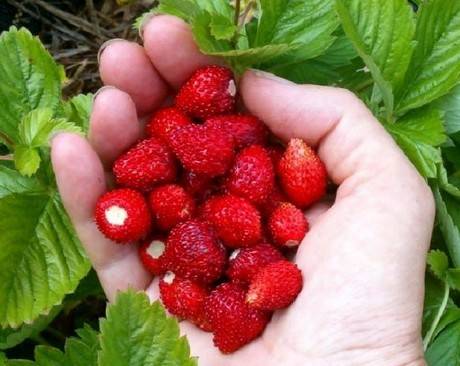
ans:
(363, 260)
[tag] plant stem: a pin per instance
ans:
(237, 12)
(8, 157)
(437, 319)
(40, 340)
(6, 139)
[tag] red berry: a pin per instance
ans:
(287, 225)
(123, 215)
(275, 198)
(148, 163)
(183, 298)
(203, 150)
(151, 255)
(166, 121)
(275, 286)
(195, 183)
(252, 176)
(302, 174)
(276, 153)
(236, 221)
(211, 90)
(246, 262)
(170, 205)
(193, 252)
(233, 322)
(246, 130)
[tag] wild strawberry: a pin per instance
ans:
(302, 174)
(183, 298)
(252, 175)
(196, 184)
(275, 198)
(123, 215)
(233, 322)
(151, 255)
(148, 163)
(246, 262)
(275, 286)
(211, 90)
(246, 130)
(193, 252)
(236, 221)
(276, 153)
(287, 225)
(165, 121)
(203, 150)
(170, 205)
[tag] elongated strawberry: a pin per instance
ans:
(203, 150)
(233, 322)
(252, 175)
(211, 90)
(194, 252)
(148, 163)
(302, 174)
(123, 215)
(165, 121)
(246, 262)
(275, 286)
(287, 225)
(151, 255)
(246, 129)
(184, 298)
(236, 221)
(170, 205)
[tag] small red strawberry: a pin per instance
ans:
(246, 262)
(165, 121)
(275, 286)
(302, 174)
(233, 322)
(211, 90)
(123, 215)
(252, 175)
(275, 197)
(203, 150)
(193, 252)
(148, 163)
(287, 225)
(236, 221)
(246, 130)
(151, 255)
(183, 298)
(170, 205)
(200, 186)
(276, 153)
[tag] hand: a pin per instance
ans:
(364, 258)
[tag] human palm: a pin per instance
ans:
(363, 260)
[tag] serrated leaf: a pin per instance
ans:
(435, 65)
(78, 110)
(381, 31)
(30, 79)
(453, 278)
(184, 9)
(136, 332)
(41, 257)
(26, 160)
(445, 350)
(82, 351)
(450, 105)
(49, 356)
(222, 28)
(438, 263)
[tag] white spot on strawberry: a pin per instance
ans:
(292, 243)
(234, 254)
(116, 215)
(156, 249)
(232, 88)
(169, 277)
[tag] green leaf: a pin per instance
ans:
(445, 350)
(82, 351)
(435, 65)
(450, 105)
(41, 257)
(453, 278)
(136, 332)
(438, 263)
(30, 79)
(21, 363)
(222, 28)
(48, 356)
(381, 31)
(184, 9)
(78, 110)
(26, 160)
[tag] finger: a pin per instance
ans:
(81, 181)
(169, 43)
(114, 126)
(314, 213)
(126, 66)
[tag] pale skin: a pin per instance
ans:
(363, 260)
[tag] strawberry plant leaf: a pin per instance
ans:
(450, 105)
(445, 349)
(49, 356)
(222, 28)
(136, 332)
(30, 79)
(78, 110)
(435, 65)
(82, 350)
(453, 278)
(42, 259)
(438, 263)
(26, 160)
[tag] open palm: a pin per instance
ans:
(363, 260)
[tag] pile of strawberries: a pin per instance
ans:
(217, 204)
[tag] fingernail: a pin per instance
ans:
(106, 87)
(145, 20)
(270, 76)
(105, 45)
